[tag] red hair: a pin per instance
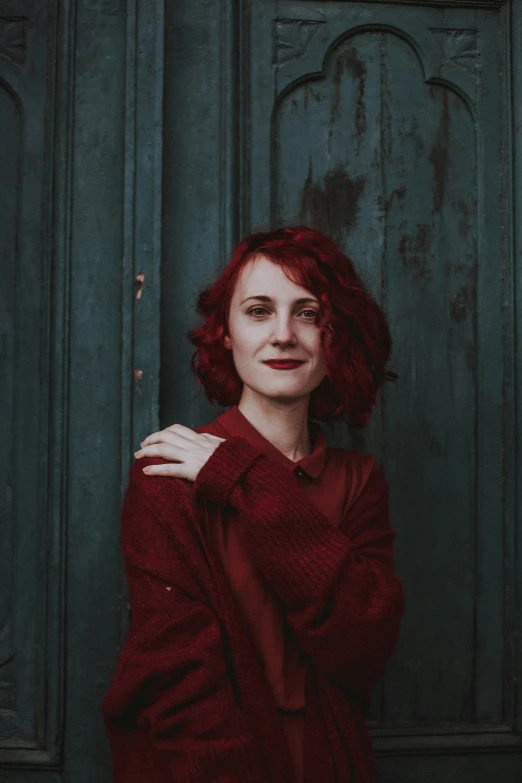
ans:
(354, 334)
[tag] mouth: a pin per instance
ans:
(284, 365)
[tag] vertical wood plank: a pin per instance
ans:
(201, 208)
(95, 382)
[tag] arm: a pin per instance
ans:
(172, 675)
(344, 602)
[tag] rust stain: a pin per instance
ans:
(349, 61)
(358, 69)
(332, 206)
(138, 377)
(439, 155)
(138, 284)
(386, 203)
(336, 98)
(414, 135)
(462, 303)
(455, 267)
(414, 251)
(310, 92)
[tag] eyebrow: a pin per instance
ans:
(264, 298)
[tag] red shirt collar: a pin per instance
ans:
(234, 423)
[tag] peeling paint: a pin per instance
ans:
(414, 136)
(462, 303)
(414, 251)
(349, 61)
(358, 69)
(439, 155)
(332, 206)
(309, 91)
(336, 97)
(455, 267)
(386, 204)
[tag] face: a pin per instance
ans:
(278, 329)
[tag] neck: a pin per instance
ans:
(285, 426)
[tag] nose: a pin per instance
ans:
(283, 331)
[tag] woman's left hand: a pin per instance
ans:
(189, 451)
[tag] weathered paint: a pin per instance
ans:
(333, 204)
(81, 131)
(387, 129)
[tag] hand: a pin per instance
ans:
(188, 449)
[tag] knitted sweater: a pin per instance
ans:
(189, 700)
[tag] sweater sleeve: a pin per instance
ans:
(172, 675)
(343, 601)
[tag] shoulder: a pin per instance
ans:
(158, 490)
(165, 484)
(158, 536)
(158, 512)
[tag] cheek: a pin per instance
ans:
(247, 350)
(246, 345)
(321, 360)
(318, 348)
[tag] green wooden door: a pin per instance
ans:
(137, 144)
(390, 127)
(80, 167)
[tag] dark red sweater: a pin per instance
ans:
(189, 700)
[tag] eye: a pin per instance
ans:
(264, 310)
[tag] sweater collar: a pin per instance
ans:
(236, 424)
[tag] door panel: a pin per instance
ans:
(385, 126)
(79, 337)
(388, 127)
(31, 567)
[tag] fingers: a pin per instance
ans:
(160, 437)
(164, 450)
(163, 470)
(182, 430)
(168, 434)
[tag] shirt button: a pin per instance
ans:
(299, 472)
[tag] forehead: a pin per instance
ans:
(268, 278)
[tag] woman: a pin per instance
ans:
(259, 561)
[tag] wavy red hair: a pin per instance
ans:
(354, 333)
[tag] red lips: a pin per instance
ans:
(284, 363)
